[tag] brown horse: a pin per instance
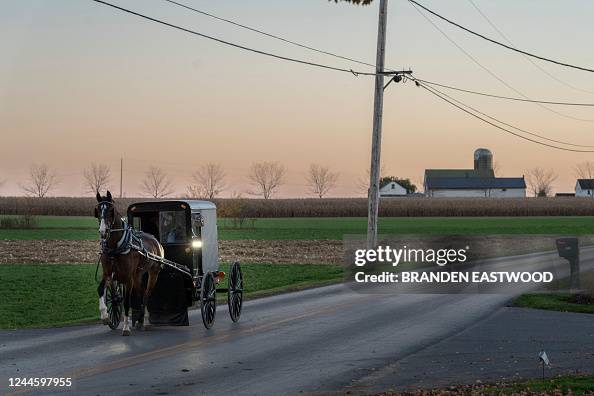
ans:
(122, 262)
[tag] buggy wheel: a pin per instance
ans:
(235, 292)
(113, 301)
(208, 300)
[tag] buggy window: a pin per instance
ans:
(197, 222)
(172, 225)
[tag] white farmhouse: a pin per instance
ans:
(392, 189)
(584, 188)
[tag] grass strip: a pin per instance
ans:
(46, 295)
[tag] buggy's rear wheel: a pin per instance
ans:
(208, 300)
(235, 291)
(113, 300)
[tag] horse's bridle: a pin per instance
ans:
(101, 214)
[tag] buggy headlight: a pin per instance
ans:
(196, 244)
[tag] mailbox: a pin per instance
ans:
(568, 248)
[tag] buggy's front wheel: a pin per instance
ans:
(208, 300)
(113, 300)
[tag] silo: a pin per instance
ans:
(483, 159)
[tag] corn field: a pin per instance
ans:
(328, 207)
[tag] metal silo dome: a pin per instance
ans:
(483, 159)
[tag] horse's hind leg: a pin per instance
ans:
(150, 285)
(127, 302)
(102, 306)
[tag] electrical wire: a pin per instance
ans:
(433, 92)
(529, 59)
(259, 31)
(502, 122)
(220, 41)
(270, 35)
(500, 43)
(505, 97)
(492, 73)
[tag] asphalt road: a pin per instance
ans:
(312, 341)
(503, 347)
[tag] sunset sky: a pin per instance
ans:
(81, 82)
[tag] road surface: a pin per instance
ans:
(313, 341)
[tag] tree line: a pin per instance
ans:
(265, 179)
(207, 182)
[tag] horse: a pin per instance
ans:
(124, 261)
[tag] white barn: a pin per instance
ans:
(393, 189)
(476, 187)
(584, 188)
(473, 183)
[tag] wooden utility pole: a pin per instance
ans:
(121, 176)
(376, 140)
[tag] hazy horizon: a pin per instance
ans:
(83, 83)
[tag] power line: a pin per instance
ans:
(529, 59)
(295, 60)
(492, 73)
(432, 91)
(505, 97)
(504, 123)
(274, 36)
(500, 43)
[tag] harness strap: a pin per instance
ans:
(123, 245)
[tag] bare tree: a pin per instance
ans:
(321, 180)
(97, 177)
(540, 181)
(41, 181)
(207, 182)
(267, 177)
(156, 183)
(584, 170)
(362, 183)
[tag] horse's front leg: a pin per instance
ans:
(127, 302)
(101, 291)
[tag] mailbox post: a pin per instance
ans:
(568, 248)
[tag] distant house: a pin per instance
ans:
(477, 182)
(584, 188)
(392, 189)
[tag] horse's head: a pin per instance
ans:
(106, 213)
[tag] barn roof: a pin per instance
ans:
(586, 184)
(471, 183)
(459, 173)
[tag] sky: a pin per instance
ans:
(82, 83)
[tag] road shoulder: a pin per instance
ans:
(503, 347)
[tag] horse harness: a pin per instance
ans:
(130, 239)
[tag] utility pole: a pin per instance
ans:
(376, 140)
(121, 175)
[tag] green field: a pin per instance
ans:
(85, 228)
(552, 302)
(60, 294)
(564, 385)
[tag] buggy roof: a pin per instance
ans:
(156, 205)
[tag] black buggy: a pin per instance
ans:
(190, 270)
